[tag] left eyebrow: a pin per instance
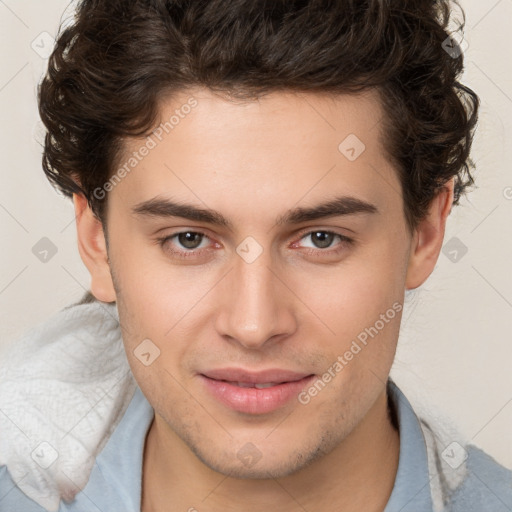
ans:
(344, 205)
(163, 208)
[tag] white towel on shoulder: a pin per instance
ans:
(64, 387)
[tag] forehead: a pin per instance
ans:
(310, 118)
(300, 145)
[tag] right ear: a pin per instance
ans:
(93, 250)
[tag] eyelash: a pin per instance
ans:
(313, 252)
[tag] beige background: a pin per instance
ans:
(455, 349)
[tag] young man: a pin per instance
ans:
(256, 187)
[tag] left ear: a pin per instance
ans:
(428, 238)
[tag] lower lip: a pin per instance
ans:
(254, 400)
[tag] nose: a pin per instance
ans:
(255, 306)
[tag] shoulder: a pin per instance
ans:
(487, 486)
(464, 477)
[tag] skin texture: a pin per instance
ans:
(288, 309)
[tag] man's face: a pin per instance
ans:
(265, 298)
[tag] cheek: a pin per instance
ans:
(152, 355)
(359, 308)
(153, 294)
(158, 305)
(355, 293)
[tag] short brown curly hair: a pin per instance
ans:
(113, 64)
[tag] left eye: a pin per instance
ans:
(321, 239)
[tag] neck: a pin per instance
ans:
(366, 459)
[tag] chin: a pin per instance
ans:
(251, 463)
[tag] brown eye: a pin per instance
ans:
(189, 239)
(322, 239)
(185, 244)
(323, 243)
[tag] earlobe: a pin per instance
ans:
(93, 250)
(428, 238)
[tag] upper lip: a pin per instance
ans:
(260, 377)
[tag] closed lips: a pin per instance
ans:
(252, 385)
(261, 379)
(254, 392)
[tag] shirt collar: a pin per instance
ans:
(116, 484)
(411, 492)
